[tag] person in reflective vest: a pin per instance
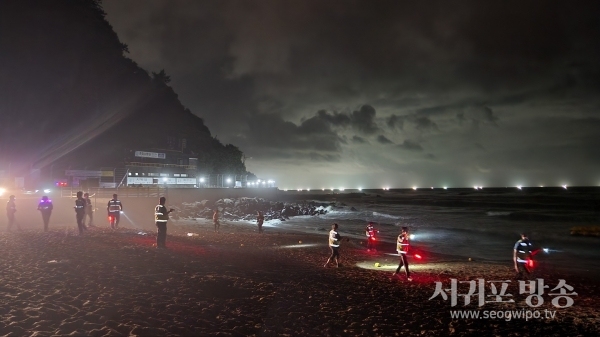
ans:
(80, 212)
(402, 246)
(522, 255)
(334, 245)
(370, 233)
(45, 207)
(161, 215)
(11, 209)
(114, 208)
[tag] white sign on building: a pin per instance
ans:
(186, 181)
(154, 155)
(138, 180)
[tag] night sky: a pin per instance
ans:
(323, 94)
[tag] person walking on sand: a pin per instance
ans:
(334, 244)
(114, 208)
(216, 220)
(260, 219)
(80, 212)
(522, 254)
(11, 209)
(161, 215)
(45, 207)
(402, 246)
(370, 233)
(89, 209)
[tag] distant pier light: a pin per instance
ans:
(519, 186)
(415, 188)
(564, 186)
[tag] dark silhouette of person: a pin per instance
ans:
(260, 219)
(11, 209)
(45, 207)
(80, 212)
(216, 220)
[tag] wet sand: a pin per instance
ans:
(240, 283)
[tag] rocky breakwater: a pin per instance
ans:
(236, 209)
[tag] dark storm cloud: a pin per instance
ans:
(358, 140)
(425, 124)
(410, 145)
(336, 119)
(270, 131)
(394, 122)
(381, 139)
(437, 71)
(364, 120)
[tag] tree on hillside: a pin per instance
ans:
(70, 97)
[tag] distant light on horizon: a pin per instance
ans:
(519, 186)
(360, 188)
(341, 189)
(564, 186)
(445, 187)
(414, 188)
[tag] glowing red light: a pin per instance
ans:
(418, 256)
(530, 263)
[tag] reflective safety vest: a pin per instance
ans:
(523, 248)
(79, 206)
(161, 214)
(370, 231)
(45, 205)
(334, 238)
(402, 244)
(114, 206)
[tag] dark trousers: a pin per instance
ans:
(46, 219)
(11, 222)
(370, 243)
(403, 262)
(335, 253)
(260, 227)
(217, 225)
(161, 234)
(90, 215)
(524, 271)
(116, 217)
(80, 222)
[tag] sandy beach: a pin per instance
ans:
(240, 283)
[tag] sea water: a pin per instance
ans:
(481, 224)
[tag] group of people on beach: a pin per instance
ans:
(83, 210)
(402, 246)
(523, 252)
